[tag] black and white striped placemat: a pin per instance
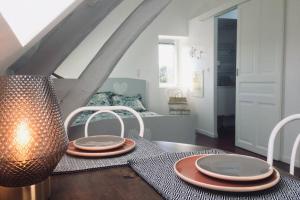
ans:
(158, 172)
(143, 149)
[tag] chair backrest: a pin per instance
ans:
(275, 131)
(101, 109)
(86, 127)
(293, 155)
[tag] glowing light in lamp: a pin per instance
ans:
(30, 17)
(23, 135)
(33, 139)
(23, 141)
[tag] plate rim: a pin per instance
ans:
(234, 178)
(225, 188)
(102, 154)
(99, 148)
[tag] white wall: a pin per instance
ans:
(291, 77)
(141, 59)
(202, 35)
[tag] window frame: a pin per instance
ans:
(173, 42)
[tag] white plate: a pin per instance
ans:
(99, 142)
(234, 167)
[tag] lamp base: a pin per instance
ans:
(39, 191)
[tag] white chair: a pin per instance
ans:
(102, 109)
(275, 131)
(86, 134)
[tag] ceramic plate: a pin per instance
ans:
(99, 142)
(128, 146)
(234, 167)
(186, 170)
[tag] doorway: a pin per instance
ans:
(226, 37)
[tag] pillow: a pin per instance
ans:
(100, 99)
(134, 102)
(109, 94)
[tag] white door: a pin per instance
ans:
(259, 73)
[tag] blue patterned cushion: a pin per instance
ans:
(134, 102)
(100, 99)
(109, 94)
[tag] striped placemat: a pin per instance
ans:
(158, 172)
(143, 149)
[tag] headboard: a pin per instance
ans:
(125, 86)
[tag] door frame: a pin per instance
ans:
(215, 64)
(213, 13)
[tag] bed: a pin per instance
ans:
(174, 128)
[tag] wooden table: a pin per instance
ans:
(111, 183)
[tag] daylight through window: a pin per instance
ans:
(167, 64)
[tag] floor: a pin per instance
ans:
(226, 142)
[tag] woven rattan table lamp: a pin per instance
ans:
(32, 137)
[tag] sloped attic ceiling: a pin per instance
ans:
(45, 56)
(20, 29)
(9, 45)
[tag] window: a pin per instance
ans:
(30, 17)
(167, 64)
